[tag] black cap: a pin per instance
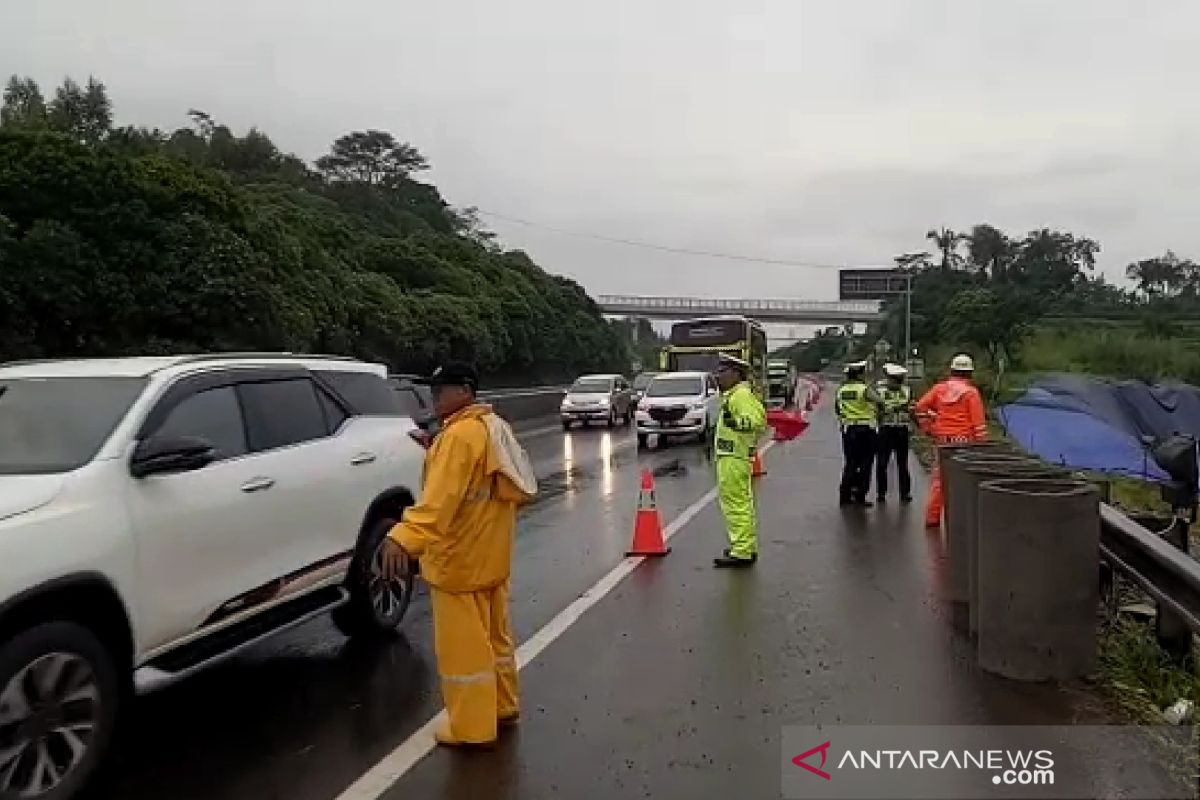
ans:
(455, 374)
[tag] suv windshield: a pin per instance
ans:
(592, 386)
(643, 380)
(675, 387)
(52, 425)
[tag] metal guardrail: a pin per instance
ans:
(533, 391)
(1169, 575)
(733, 306)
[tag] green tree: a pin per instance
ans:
(996, 321)
(1164, 276)
(84, 112)
(989, 251)
(1048, 264)
(946, 241)
(24, 106)
(372, 157)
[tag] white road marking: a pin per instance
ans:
(536, 432)
(383, 776)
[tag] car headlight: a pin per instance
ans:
(698, 406)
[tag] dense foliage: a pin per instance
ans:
(984, 290)
(1033, 303)
(118, 241)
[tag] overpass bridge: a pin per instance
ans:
(796, 311)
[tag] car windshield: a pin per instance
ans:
(675, 387)
(50, 425)
(592, 386)
(643, 380)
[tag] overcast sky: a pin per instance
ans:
(831, 132)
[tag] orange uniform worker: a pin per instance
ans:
(952, 412)
(462, 532)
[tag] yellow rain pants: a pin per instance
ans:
(476, 660)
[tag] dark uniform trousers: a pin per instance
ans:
(858, 451)
(893, 439)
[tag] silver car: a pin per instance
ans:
(605, 399)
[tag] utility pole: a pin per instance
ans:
(908, 323)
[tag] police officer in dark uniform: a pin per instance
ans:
(895, 413)
(857, 411)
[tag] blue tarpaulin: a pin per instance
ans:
(1094, 424)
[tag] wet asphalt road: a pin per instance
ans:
(304, 714)
(677, 684)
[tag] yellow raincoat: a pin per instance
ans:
(462, 531)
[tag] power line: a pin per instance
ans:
(661, 247)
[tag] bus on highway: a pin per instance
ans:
(696, 344)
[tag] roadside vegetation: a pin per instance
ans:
(120, 240)
(1025, 306)
(1031, 305)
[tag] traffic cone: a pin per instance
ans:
(757, 469)
(648, 529)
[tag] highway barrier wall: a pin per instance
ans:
(521, 405)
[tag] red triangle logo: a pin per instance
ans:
(823, 750)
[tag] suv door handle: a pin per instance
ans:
(362, 458)
(258, 485)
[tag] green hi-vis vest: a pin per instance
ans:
(896, 401)
(855, 406)
(743, 420)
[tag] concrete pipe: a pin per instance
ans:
(954, 503)
(946, 451)
(972, 473)
(1038, 557)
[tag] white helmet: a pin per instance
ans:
(894, 370)
(962, 363)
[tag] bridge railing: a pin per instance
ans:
(732, 306)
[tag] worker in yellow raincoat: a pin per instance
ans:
(462, 531)
(742, 422)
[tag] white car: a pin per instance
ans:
(679, 404)
(160, 514)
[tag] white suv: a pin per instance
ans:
(160, 514)
(679, 404)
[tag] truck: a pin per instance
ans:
(781, 382)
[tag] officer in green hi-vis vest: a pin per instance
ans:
(742, 422)
(857, 411)
(895, 416)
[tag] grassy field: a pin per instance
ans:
(1117, 351)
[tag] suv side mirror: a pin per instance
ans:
(162, 454)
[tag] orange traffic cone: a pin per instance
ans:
(757, 469)
(648, 529)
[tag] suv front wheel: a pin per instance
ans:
(59, 692)
(376, 605)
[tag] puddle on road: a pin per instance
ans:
(559, 483)
(671, 469)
